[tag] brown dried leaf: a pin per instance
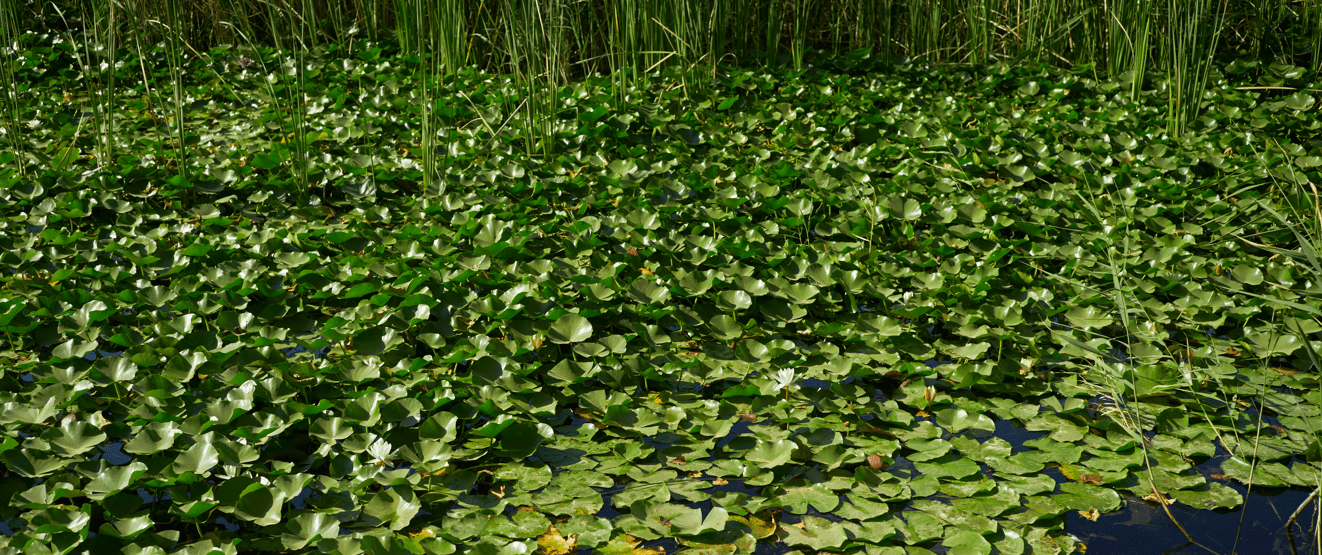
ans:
(1158, 499)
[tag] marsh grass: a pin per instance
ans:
(1194, 28)
(9, 92)
(545, 42)
(1129, 41)
(99, 66)
(1067, 31)
(1113, 375)
(1311, 16)
(536, 45)
(436, 34)
(174, 22)
(1303, 203)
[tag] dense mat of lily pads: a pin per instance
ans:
(783, 308)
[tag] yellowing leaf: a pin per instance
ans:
(1158, 499)
(629, 545)
(552, 543)
(1090, 514)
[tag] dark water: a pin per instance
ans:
(1255, 528)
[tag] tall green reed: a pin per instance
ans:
(924, 29)
(584, 28)
(774, 20)
(743, 44)
(536, 47)
(1312, 23)
(436, 34)
(978, 21)
(174, 40)
(101, 21)
(1266, 15)
(802, 19)
(1129, 40)
(714, 27)
(543, 42)
(9, 90)
(629, 43)
(95, 58)
(285, 76)
(646, 32)
(876, 26)
(1193, 30)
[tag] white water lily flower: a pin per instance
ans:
(381, 451)
(1026, 366)
(228, 471)
(783, 378)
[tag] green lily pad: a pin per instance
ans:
(570, 328)
(814, 533)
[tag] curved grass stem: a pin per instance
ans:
(1295, 515)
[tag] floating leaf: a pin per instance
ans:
(570, 328)
(814, 533)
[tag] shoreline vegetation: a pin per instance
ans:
(623, 278)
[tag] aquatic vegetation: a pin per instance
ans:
(346, 302)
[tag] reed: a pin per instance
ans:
(1266, 14)
(1129, 40)
(1312, 23)
(978, 21)
(1193, 33)
(802, 19)
(102, 90)
(544, 43)
(924, 26)
(174, 20)
(651, 33)
(10, 106)
(625, 43)
(535, 45)
(436, 34)
(95, 58)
